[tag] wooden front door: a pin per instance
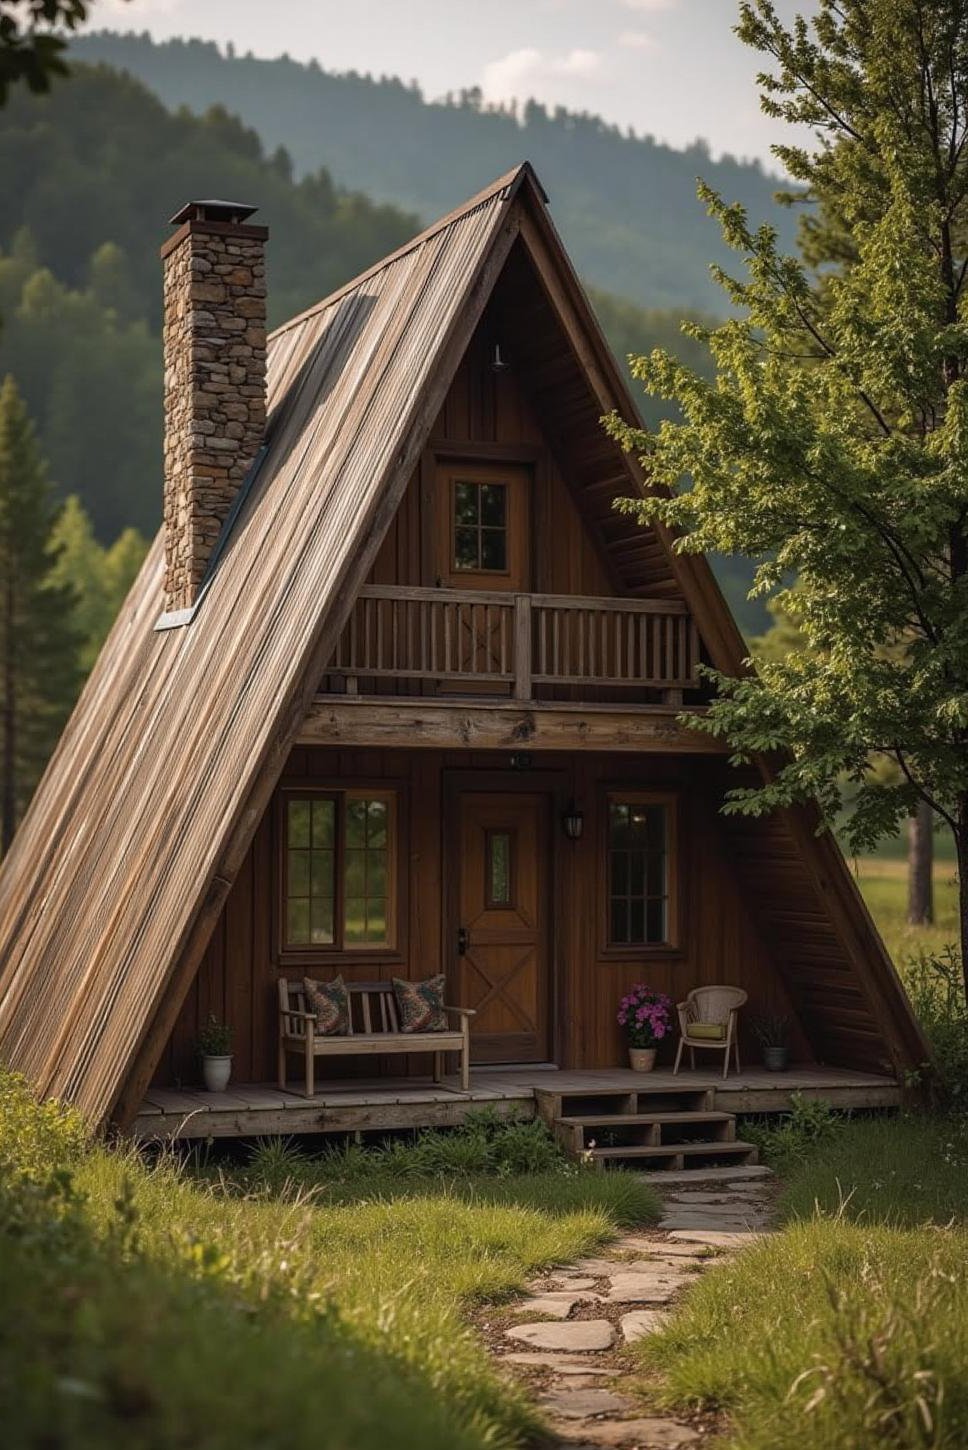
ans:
(500, 944)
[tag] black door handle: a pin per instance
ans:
(463, 940)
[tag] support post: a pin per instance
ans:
(522, 646)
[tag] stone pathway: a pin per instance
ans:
(584, 1315)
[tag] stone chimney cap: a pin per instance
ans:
(213, 211)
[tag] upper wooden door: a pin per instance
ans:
(500, 941)
(483, 515)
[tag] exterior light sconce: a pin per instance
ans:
(573, 822)
(498, 365)
(520, 760)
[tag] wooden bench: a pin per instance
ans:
(374, 1029)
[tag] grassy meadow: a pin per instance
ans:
(285, 1301)
(883, 883)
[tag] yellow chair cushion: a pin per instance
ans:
(711, 1031)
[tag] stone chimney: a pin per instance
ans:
(215, 380)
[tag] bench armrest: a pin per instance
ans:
(291, 1012)
(461, 1011)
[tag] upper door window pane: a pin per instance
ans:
(480, 527)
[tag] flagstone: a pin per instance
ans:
(566, 1364)
(645, 1288)
(580, 1404)
(555, 1306)
(641, 1434)
(716, 1239)
(640, 1322)
(577, 1334)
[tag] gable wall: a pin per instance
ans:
(491, 409)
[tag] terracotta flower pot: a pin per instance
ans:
(642, 1059)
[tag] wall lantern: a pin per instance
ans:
(573, 822)
(498, 363)
(520, 760)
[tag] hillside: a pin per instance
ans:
(626, 205)
(80, 280)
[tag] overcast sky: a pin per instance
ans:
(671, 68)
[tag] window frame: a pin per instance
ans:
(293, 953)
(672, 946)
(517, 479)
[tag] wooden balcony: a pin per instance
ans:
(521, 646)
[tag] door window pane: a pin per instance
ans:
(480, 527)
(498, 866)
(638, 873)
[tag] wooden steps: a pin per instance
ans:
(658, 1128)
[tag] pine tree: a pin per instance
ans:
(833, 443)
(38, 641)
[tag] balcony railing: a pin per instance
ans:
(518, 641)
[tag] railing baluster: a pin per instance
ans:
(522, 646)
(416, 633)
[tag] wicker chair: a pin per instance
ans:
(707, 1007)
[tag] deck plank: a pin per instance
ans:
(387, 1104)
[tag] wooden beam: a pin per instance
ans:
(491, 725)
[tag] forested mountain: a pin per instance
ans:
(626, 205)
(80, 279)
(90, 174)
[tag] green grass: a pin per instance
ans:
(884, 887)
(152, 1307)
(898, 1172)
(849, 1327)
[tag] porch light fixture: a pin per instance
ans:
(573, 822)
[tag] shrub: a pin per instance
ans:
(792, 1139)
(936, 989)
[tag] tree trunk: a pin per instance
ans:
(8, 785)
(920, 910)
(961, 847)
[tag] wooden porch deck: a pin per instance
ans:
(387, 1104)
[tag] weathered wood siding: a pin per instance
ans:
(720, 940)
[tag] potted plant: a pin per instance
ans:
(215, 1050)
(647, 1018)
(773, 1033)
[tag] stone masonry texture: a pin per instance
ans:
(215, 389)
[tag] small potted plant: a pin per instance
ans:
(215, 1050)
(773, 1033)
(647, 1018)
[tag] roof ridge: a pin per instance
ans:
(511, 181)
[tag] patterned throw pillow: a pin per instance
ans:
(331, 1003)
(421, 1005)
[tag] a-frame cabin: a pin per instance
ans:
(396, 693)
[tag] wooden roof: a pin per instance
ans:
(121, 867)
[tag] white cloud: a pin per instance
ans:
(636, 40)
(651, 6)
(530, 72)
(144, 7)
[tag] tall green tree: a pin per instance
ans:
(833, 443)
(38, 642)
(98, 578)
